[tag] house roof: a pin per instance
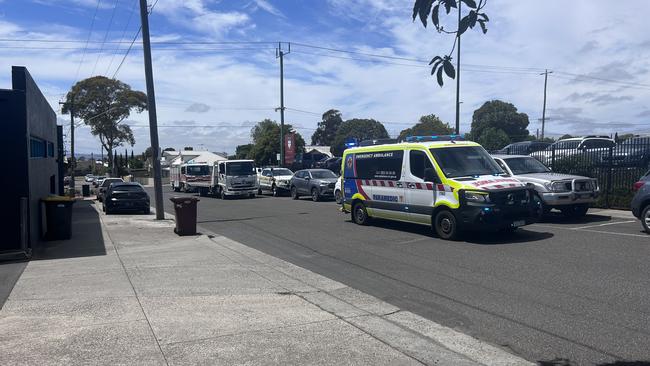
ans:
(321, 149)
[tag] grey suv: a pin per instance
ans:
(641, 201)
(316, 183)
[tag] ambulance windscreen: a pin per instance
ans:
(465, 161)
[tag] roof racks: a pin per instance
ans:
(435, 138)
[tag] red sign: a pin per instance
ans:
(289, 148)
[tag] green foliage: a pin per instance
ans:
(423, 8)
(428, 125)
(500, 115)
(624, 137)
(103, 104)
(243, 151)
(361, 129)
(266, 141)
(327, 127)
(493, 139)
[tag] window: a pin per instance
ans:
(525, 165)
(182, 170)
(419, 161)
(50, 149)
(38, 148)
(198, 170)
(465, 161)
(322, 174)
(241, 168)
(385, 165)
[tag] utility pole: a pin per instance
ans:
(458, 75)
(545, 73)
(72, 161)
(279, 53)
(151, 106)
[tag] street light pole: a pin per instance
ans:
(545, 73)
(280, 54)
(151, 106)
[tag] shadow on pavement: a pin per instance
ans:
(9, 274)
(86, 241)
(476, 237)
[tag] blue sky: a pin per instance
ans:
(599, 55)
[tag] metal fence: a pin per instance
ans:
(616, 168)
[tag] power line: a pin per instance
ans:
(90, 32)
(583, 76)
(108, 29)
(128, 22)
(127, 52)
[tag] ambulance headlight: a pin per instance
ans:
(477, 197)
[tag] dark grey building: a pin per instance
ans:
(31, 162)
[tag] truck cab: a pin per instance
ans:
(234, 178)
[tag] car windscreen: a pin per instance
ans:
(525, 166)
(240, 168)
(108, 182)
(198, 170)
(322, 174)
(127, 188)
(279, 172)
(464, 161)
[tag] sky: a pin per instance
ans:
(216, 72)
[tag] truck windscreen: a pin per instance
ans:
(240, 168)
(198, 170)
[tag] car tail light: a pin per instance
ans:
(638, 185)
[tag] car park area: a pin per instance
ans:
(575, 288)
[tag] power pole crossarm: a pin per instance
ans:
(151, 106)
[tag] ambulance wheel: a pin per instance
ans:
(445, 225)
(360, 214)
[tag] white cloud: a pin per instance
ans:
(268, 7)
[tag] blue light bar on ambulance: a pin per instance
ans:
(351, 143)
(435, 138)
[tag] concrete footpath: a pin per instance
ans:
(127, 290)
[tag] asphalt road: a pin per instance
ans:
(559, 293)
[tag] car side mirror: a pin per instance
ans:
(430, 175)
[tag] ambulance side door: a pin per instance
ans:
(420, 195)
(387, 193)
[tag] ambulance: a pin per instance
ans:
(446, 182)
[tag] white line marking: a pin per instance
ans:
(605, 224)
(593, 231)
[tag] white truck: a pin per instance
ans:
(232, 178)
(190, 177)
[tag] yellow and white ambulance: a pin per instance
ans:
(442, 181)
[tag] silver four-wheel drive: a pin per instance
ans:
(571, 194)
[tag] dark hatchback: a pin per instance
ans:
(126, 196)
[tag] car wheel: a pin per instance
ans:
(575, 211)
(274, 191)
(103, 208)
(223, 195)
(108, 211)
(540, 209)
(338, 197)
(315, 196)
(259, 191)
(445, 225)
(294, 193)
(645, 219)
(360, 214)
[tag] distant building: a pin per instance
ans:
(34, 168)
(315, 149)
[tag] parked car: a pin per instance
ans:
(106, 183)
(633, 152)
(523, 148)
(592, 145)
(338, 191)
(98, 180)
(126, 196)
(274, 180)
(89, 178)
(317, 183)
(66, 180)
(641, 201)
(333, 164)
(306, 160)
(571, 194)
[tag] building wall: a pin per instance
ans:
(30, 132)
(15, 184)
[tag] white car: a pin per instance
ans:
(573, 146)
(274, 180)
(338, 193)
